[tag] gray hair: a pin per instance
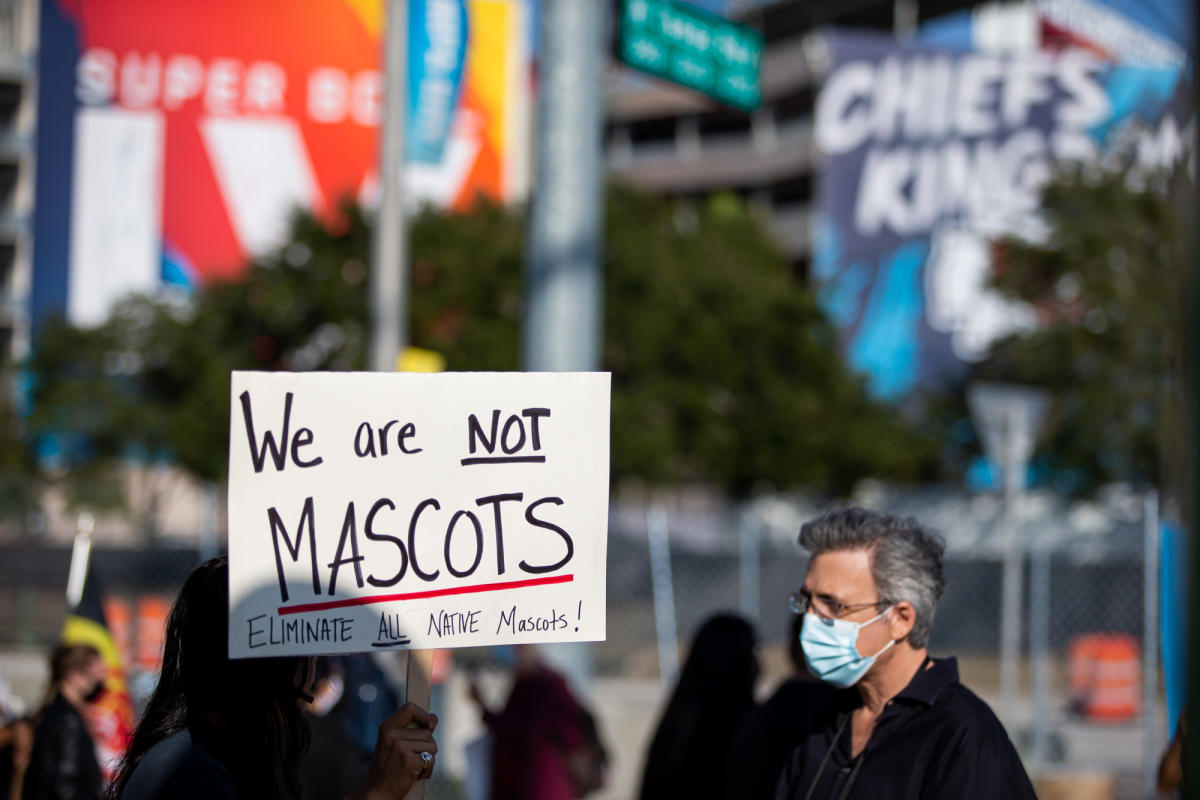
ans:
(906, 560)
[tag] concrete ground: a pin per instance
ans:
(627, 710)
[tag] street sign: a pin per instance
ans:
(1008, 418)
(685, 45)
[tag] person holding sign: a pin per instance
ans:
(235, 729)
(902, 725)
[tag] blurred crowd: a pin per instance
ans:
(866, 711)
(544, 743)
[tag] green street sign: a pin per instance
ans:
(694, 49)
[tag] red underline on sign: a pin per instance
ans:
(388, 598)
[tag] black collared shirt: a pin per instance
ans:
(935, 739)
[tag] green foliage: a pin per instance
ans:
(152, 381)
(724, 369)
(1109, 285)
(88, 390)
(18, 467)
(466, 287)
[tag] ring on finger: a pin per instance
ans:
(427, 757)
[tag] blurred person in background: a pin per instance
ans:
(902, 725)
(771, 731)
(235, 729)
(1170, 766)
(545, 742)
(333, 765)
(369, 698)
(63, 764)
(16, 745)
(714, 694)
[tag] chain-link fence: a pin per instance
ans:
(136, 587)
(1090, 704)
(1093, 708)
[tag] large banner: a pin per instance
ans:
(403, 510)
(928, 154)
(175, 138)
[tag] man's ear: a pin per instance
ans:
(902, 619)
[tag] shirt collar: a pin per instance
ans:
(924, 687)
(929, 681)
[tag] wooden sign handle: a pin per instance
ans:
(417, 687)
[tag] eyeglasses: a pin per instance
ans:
(800, 602)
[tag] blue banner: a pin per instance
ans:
(1174, 561)
(437, 49)
(926, 156)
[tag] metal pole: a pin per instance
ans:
(1150, 565)
(389, 270)
(389, 248)
(563, 276)
(657, 532)
(562, 324)
(208, 544)
(905, 19)
(81, 553)
(1010, 613)
(749, 565)
(1039, 649)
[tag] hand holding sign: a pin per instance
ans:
(371, 510)
(399, 760)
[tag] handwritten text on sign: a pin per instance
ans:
(393, 510)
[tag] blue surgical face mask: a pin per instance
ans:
(831, 648)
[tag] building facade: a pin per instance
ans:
(663, 138)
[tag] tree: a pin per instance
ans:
(152, 382)
(725, 371)
(1108, 281)
(18, 467)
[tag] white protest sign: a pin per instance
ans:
(416, 511)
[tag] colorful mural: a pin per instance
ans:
(176, 138)
(927, 154)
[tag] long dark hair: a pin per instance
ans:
(246, 709)
(65, 659)
(716, 687)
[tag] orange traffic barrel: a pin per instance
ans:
(1105, 675)
(152, 611)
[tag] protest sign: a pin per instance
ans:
(412, 511)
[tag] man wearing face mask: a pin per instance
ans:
(63, 764)
(901, 726)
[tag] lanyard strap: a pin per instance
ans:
(858, 762)
(821, 769)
